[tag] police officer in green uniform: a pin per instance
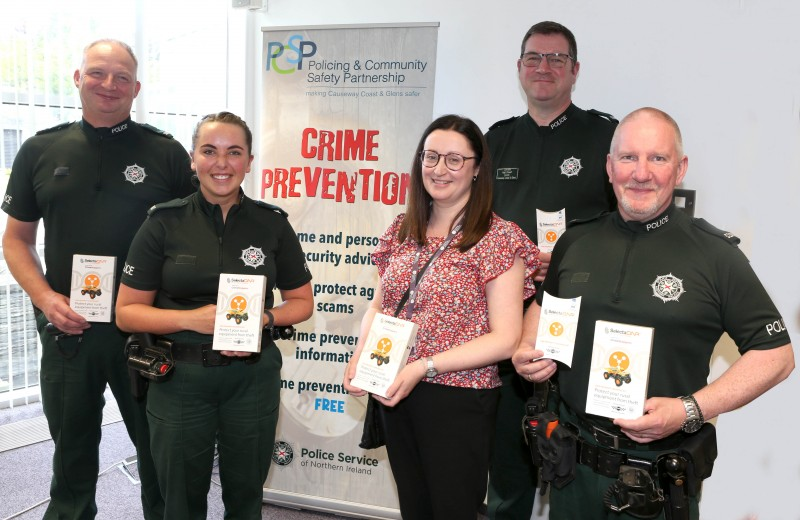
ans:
(91, 182)
(650, 264)
(170, 287)
(552, 158)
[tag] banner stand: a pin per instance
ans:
(341, 111)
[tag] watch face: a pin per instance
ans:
(692, 426)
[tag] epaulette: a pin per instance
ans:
(501, 123)
(578, 221)
(55, 128)
(155, 130)
(708, 228)
(271, 207)
(174, 203)
(604, 115)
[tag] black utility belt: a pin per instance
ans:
(647, 482)
(608, 439)
(204, 354)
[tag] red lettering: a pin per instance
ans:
(365, 174)
(312, 181)
(371, 144)
(326, 140)
(389, 192)
(376, 186)
(346, 186)
(327, 183)
(405, 181)
(306, 150)
(294, 180)
(266, 182)
(338, 145)
(279, 182)
(352, 150)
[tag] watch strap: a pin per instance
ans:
(693, 412)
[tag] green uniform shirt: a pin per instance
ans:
(679, 275)
(184, 245)
(562, 165)
(93, 187)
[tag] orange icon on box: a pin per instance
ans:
(618, 368)
(91, 285)
(381, 352)
(551, 236)
(236, 312)
(556, 329)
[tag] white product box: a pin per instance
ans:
(386, 350)
(620, 370)
(240, 312)
(92, 290)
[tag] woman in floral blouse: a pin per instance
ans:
(438, 419)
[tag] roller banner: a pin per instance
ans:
(342, 109)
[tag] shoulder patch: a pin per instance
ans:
(151, 128)
(56, 128)
(604, 115)
(174, 203)
(270, 207)
(503, 122)
(579, 221)
(708, 228)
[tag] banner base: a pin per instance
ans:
(328, 505)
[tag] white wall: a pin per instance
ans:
(726, 70)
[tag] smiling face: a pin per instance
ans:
(645, 164)
(107, 84)
(445, 186)
(544, 86)
(221, 159)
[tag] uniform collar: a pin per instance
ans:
(557, 122)
(106, 132)
(209, 208)
(663, 221)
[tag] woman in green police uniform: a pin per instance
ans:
(169, 288)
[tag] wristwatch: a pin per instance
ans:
(694, 415)
(430, 370)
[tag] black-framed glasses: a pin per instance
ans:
(453, 161)
(556, 60)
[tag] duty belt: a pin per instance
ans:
(610, 440)
(204, 354)
(606, 458)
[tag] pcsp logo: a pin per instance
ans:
(292, 53)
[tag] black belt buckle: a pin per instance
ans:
(605, 439)
(212, 358)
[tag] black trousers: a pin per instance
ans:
(439, 441)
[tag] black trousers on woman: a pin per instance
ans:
(439, 440)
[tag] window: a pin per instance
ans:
(181, 46)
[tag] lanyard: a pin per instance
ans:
(417, 274)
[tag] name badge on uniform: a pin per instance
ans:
(507, 174)
(61, 171)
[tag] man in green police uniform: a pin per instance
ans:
(91, 182)
(650, 264)
(552, 158)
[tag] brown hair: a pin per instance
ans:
(547, 28)
(477, 212)
(225, 117)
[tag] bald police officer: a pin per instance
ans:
(650, 264)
